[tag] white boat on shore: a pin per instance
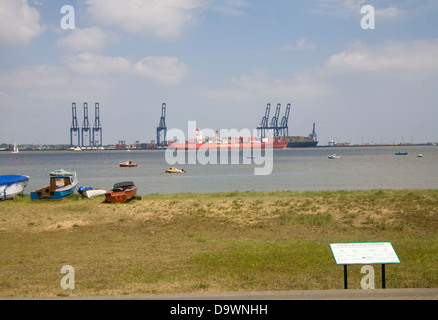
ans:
(334, 156)
(89, 192)
(11, 185)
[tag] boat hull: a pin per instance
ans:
(114, 196)
(94, 193)
(275, 144)
(11, 185)
(302, 144)
(55, 195)
(88, 192)
(175, 171)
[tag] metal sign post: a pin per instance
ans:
(364, 253)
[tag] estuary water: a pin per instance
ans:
(306, 169)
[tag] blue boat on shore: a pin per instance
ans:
(401, 153)
(11, 185)
(62, 185)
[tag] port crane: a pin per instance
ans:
(313, 134)
(97, 128)
(274, 120)
(162, 128)
(74, 128)
(86, 126)
(264, 123)
(283, 129)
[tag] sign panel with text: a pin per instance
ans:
(364, 253)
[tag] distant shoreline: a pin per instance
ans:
(64, 148)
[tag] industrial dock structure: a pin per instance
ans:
(276, 129)
(277, 132)
(86, 136)
(281, 130)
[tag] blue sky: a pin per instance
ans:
(219, 62)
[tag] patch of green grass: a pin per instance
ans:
(213, 242)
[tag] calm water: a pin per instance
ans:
(294, 169)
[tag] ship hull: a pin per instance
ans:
(300, 142)
(304, 144)
(279, 144)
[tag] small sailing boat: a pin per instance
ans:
(15, 149)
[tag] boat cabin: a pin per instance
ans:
(56, 183)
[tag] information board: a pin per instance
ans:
(364, 253)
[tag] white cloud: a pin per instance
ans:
(19, 23)
(397, 58)
(162, 19)
(165, 70)
(88, 72)
(301, 44)
(231, 7)
(383, 9)
(93, 64)
(258, 86)
(87, 39)
(34, 77)
(360, 81)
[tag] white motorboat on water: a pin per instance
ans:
(11, 185)
(334, 156)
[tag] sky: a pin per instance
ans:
(219, 63)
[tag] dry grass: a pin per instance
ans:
(230, 241)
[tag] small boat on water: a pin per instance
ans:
(419, 155)
(121, 192)
(127, 163)
(174, 170)
(11, 185)
(401, 153)
(334, 156)
(89, 192)
(62, 185)
(15, 149)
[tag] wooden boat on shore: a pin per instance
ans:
(62, 185)
(11, 185)
(89, 192)
(121, 192)
(127, 163)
